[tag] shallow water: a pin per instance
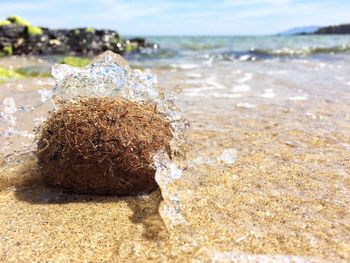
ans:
(285, 198)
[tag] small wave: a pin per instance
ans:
(268, 94)
(184, 66)
(161, 53)
(287, 52)
(262, 54)
(197, 46)
(196, 93)
(245, 105)
(298, 98)
(277, 72)
(306, 51)
(194, 75)
(245, 78)
(212, 49)
(241, 88)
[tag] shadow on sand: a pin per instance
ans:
(145, 208)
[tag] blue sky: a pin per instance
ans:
(181, 17)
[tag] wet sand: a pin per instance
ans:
(285, 199)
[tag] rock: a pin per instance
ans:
(12, 31)
(103, 146)
(25, 38)
(141, 42)
(340, 29)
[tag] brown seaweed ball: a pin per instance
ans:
(102, 146)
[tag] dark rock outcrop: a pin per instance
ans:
(340, 29)
(141, 42)
(18, 37)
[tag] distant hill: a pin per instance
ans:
(301, 30)
(338, 29)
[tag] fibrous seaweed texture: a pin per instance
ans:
(103, 146)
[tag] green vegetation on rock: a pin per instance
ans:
(32, 30)
(130, 47)
(8, 50)
(6, 74)
(18, 20)
(90, 30)
(76, 61)
(5, 23)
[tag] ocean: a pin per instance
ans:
(253, 69)
(264, 175)
(249, 48)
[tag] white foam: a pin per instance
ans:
(298, 98)
(245, 78)
(228, 156)
(240, 88)
(38, 121)
(184, 66)
(9, 109)
(9, 132)
(277, 72)
(209, 62)
(245, 105)
(311, 115)
(247, 57)
(199, 90)
(268, 93)
(237, 71)
(211, 94)
(194, 75)
(45, 94)
(210, 82)
(9, 105)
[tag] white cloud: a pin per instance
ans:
(233, 3)
(180, 17)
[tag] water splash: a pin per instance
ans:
(9, 109)
(169, 172)
(109, 75)
(14, 139)
(227, 157)
(166, 173)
